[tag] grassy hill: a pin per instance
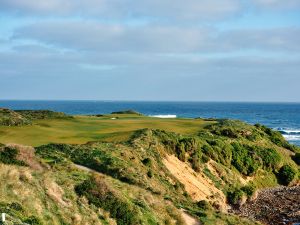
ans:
(138, 170)
(11, 118)
(81, 129)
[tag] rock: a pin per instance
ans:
(273, 206)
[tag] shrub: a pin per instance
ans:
(99, 193)
(243, 159)
(277, 138)
(270, 157)
(235, 196)
(180, 151)
(196, 160)
(8, 156)
(94, 158)
(32, 220)
(229, 132)
(209, 151)
(204, 205)
(147, 162)
(249, 189)
(150, 174)
(286, 174)
(16, 206)
(204, 158)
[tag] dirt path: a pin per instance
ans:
(85, 168)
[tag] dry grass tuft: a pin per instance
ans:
(26, 154)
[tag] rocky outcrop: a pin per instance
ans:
(274, 206)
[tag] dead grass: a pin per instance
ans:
(26, 154)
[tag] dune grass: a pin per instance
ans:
(81, 129)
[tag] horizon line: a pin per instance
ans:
(195, 101)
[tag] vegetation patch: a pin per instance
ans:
(42, 114)
(99, 193)
(11, 118)
(287, 174)
(9, 155)
(129, 111)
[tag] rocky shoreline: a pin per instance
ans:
(273, 206)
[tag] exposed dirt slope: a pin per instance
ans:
(198, 186)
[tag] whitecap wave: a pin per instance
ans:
(290, 134)
(289, 131)
(291, 137)
(164, 116)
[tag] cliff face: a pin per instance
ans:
(156, 177)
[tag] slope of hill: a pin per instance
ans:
(42, 114)
(11, 118)
(153, 177)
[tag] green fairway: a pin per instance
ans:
(82, 129)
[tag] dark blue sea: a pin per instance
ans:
(279, 116)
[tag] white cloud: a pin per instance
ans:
(169, 9)
(277, 4)
(93, 36)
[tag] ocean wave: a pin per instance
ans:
(289, 131)
(290, 134)
(291, 137)
(164, 116)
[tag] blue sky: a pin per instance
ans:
(195, 50)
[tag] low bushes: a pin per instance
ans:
(235, 196)
(196, 159)
(92, 157)
(204, 205)
(99, 193)
(249, 190)
(286, 174)
(42, 114)
(247, 159)
(277, 138)
(243, 159)
(9, 156)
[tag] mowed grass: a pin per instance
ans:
(81, 129)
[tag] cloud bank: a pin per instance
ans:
(148, 50)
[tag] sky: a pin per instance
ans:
(192, 50)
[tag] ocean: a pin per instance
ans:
(284, 117)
